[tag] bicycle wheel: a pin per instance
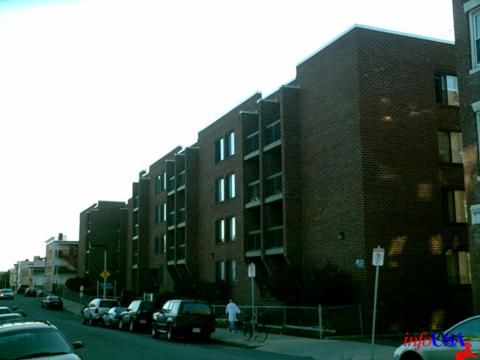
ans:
(247, 331)
(261, 334)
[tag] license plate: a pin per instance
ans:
(143, 321)
(196, 330)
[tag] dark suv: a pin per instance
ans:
(137, 315)
(183, 318)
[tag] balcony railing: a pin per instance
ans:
(171, 253)
(253, 192)
(274, 237)
(254, 240)
(273, 184)
(181, 216)
(181, 179)
(171, 184)
(252, 143)
(272, 132)
(181, 252)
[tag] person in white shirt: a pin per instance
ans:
(232, 310)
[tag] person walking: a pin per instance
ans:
(232, 310)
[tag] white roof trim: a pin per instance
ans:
(372, 28)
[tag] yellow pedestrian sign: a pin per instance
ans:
(105, 274)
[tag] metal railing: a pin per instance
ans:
(320, 321)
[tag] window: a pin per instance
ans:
(230, 144)
(450, 146)
(220, 190)
(231, 186)
(156, 246)
(220, 231)
(220, 273)
(160, 183)
(455, 206)
(163, 212)
(231, 228)
(225, 147)
(232, 271)
(164, 244)
(475, 37)
(158, 211)
(220, 150)
(458, 267)
(446, 89)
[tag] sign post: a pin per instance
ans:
(377, 261)
(251, 275)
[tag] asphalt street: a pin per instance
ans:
(104, 343)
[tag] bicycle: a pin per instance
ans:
(255, 332)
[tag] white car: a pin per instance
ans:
(96, 308)
(6, 294)
(447, 343)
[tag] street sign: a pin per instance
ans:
(251, 270)
(105, 274)
(378, 256)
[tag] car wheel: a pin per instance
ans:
(411, 355)
(120, 325)
(170, 333)
(205, 335)
(91, 321)
(131, 326)
(154, 333)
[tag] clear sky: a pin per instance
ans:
(94, 91)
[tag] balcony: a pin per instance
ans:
(181, 254)
(181, 181)
(171, 220)
(252, 194)
(181, 218)
(171, 186)
(171, 255)
(252, 146)
(273, 187)
(272, 135)
(274, 240)
(253, 245)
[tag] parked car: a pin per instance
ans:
(52, 302)
(94, 311)
(7, 294)
(183, 318)
(5, 310)
(112, 316)
(42, 293)
(11, 317)
(30, 292)
(137, 315)
(447, 342)
(39, 340)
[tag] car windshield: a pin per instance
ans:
(30, 343)
(108, 303)
(196, 308)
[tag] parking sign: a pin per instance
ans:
(378, 256)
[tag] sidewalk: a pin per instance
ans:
(292, 345)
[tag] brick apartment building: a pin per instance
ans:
(363, 148)
(467, 43)
(103, 234)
